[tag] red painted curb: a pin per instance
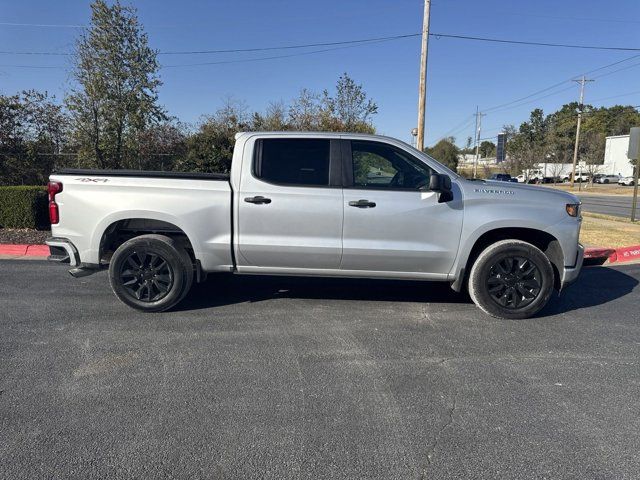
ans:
(598, 252)
(614, 255)
(24, 250)
(625, 254)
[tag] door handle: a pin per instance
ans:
(257, 200)
(362, 204)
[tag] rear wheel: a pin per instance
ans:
(151, 273)
(511, 279)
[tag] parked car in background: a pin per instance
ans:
(503, 177)
(581, 177)
(629, 181)
(604, 179)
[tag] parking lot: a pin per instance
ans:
(257, 377)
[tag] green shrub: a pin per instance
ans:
(23, 207)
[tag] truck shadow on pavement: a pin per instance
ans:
(595, 286)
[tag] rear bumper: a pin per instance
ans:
(63, 251)
(570, 274)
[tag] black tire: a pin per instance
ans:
(511, 279)
(151, 273)
(605, 180)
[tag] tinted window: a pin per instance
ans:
(377, 165)
(294, 162)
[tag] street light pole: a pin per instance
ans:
(422, 95)
(582, 82)
(478, 130)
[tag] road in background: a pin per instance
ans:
(618, 205)
(257, 377)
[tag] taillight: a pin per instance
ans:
(54, 188)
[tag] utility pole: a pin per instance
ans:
(478, 130)
(422, 95)
(582, 83)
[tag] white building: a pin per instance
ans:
(615, 156)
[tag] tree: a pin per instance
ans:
(304, 112)
(555, 170)
(591, 151)
(487, 149)
(210, 149)
(349, 109)
(524, 154)
(446, 152)
(161, 146)
(115, 96)
(33, 134)
(273, 120)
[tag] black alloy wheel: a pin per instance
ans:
(146, 276)
(514, 282)
(511, 279)
(151, 273)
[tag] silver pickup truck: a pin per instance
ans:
(317, 204)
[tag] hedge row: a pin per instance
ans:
(23, 207)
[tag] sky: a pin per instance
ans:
(462, 74)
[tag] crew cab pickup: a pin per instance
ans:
(317, 204)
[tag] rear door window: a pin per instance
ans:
(293, 161)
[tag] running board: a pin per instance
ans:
(80, 272)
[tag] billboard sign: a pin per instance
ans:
(501, 148)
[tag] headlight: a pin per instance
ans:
(573, 209)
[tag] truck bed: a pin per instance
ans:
(141, 174)
(92, 202)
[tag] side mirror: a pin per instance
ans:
(441, 184)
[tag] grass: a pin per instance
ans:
(595, 189)
(608, 231)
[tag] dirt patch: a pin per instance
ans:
(23, 236)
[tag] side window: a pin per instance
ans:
(296, 161)
(377, 165)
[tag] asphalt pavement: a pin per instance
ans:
(257, 377)
(616, 205)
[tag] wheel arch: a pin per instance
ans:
(546, 242)
(116, 231)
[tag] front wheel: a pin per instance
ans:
(151, 273)
(511, 279)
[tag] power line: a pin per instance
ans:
(289, 47)
(364, 40)
(555, 85)
(533, 100)
(244, 50)
(30, 66)
(273, 57)
(616, 96)
(581, 19)
(54, 25)
(539, 44)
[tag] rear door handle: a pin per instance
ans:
(362, 204)
(257, 200)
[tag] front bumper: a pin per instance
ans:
(570, 274)
(63, 251)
